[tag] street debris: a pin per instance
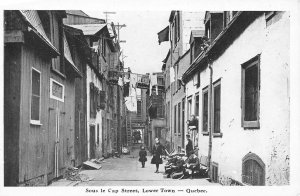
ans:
(93, 163)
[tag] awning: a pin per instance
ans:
(163, 35)
(68, 55)
(32, 17)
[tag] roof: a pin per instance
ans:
(34, 21)
(208, 13)
(77, 12)
(89, 29)
(197, 33)
(67, 53)
(240, 19)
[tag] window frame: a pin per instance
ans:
(216, 84)
(179, 118)
(63, 90)
(189, 107)
(196, 110)
(175, 118)
(183, 115)
(35, 122)
(204, 91)
(250, 63)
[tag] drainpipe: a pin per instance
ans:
(210, 121)
(171, 95)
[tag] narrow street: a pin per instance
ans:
(127, 171)
(207, 92)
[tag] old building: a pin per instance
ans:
(136, 130)
(156, 112)
(176, 63)
(39, 97)
(242, 96)
(104, 96)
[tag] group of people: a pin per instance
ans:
(158, 150)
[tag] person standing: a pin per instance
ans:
(189, 146)
(143, 155)
(157, 152)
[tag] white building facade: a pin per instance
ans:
(250, 99)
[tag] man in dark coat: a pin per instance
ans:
(157, 152)
(189, 146)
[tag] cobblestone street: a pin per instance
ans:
(127, 171)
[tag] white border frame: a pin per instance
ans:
(35, 122)
(63, 92)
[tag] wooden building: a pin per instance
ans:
(104, 97)
(39, 96)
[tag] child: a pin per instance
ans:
(143, 155)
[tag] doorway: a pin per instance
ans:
(92, 141)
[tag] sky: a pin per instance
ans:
(142, 52)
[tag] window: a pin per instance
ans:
(207, 29)
(160, 81)
(197, 105)
(56, 90)
(250, 93)
(168, 114)
(182, 116)
(205, 110)
(179, 112)
(98, 133)
(217, 107)
(103, 47)
(35, 113)
(139, 108)
(158, 132)
(253, 170)
(93, 100)
(189, 108)
(175, 118)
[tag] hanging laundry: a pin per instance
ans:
(153, 82)
(153, 79)
(120, 81)
(133, 81)
(131, 101)
(172, 74)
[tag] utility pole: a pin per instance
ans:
(106, 13)
(118, 26)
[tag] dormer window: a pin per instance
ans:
(207, 29)
(227, 17)
(195, 44)
(213, 24)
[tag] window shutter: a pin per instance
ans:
(102, 100)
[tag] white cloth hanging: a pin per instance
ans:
(131, 101)
(172, 74)
(153, 82)
(120, 81)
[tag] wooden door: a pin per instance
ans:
(92, 142)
